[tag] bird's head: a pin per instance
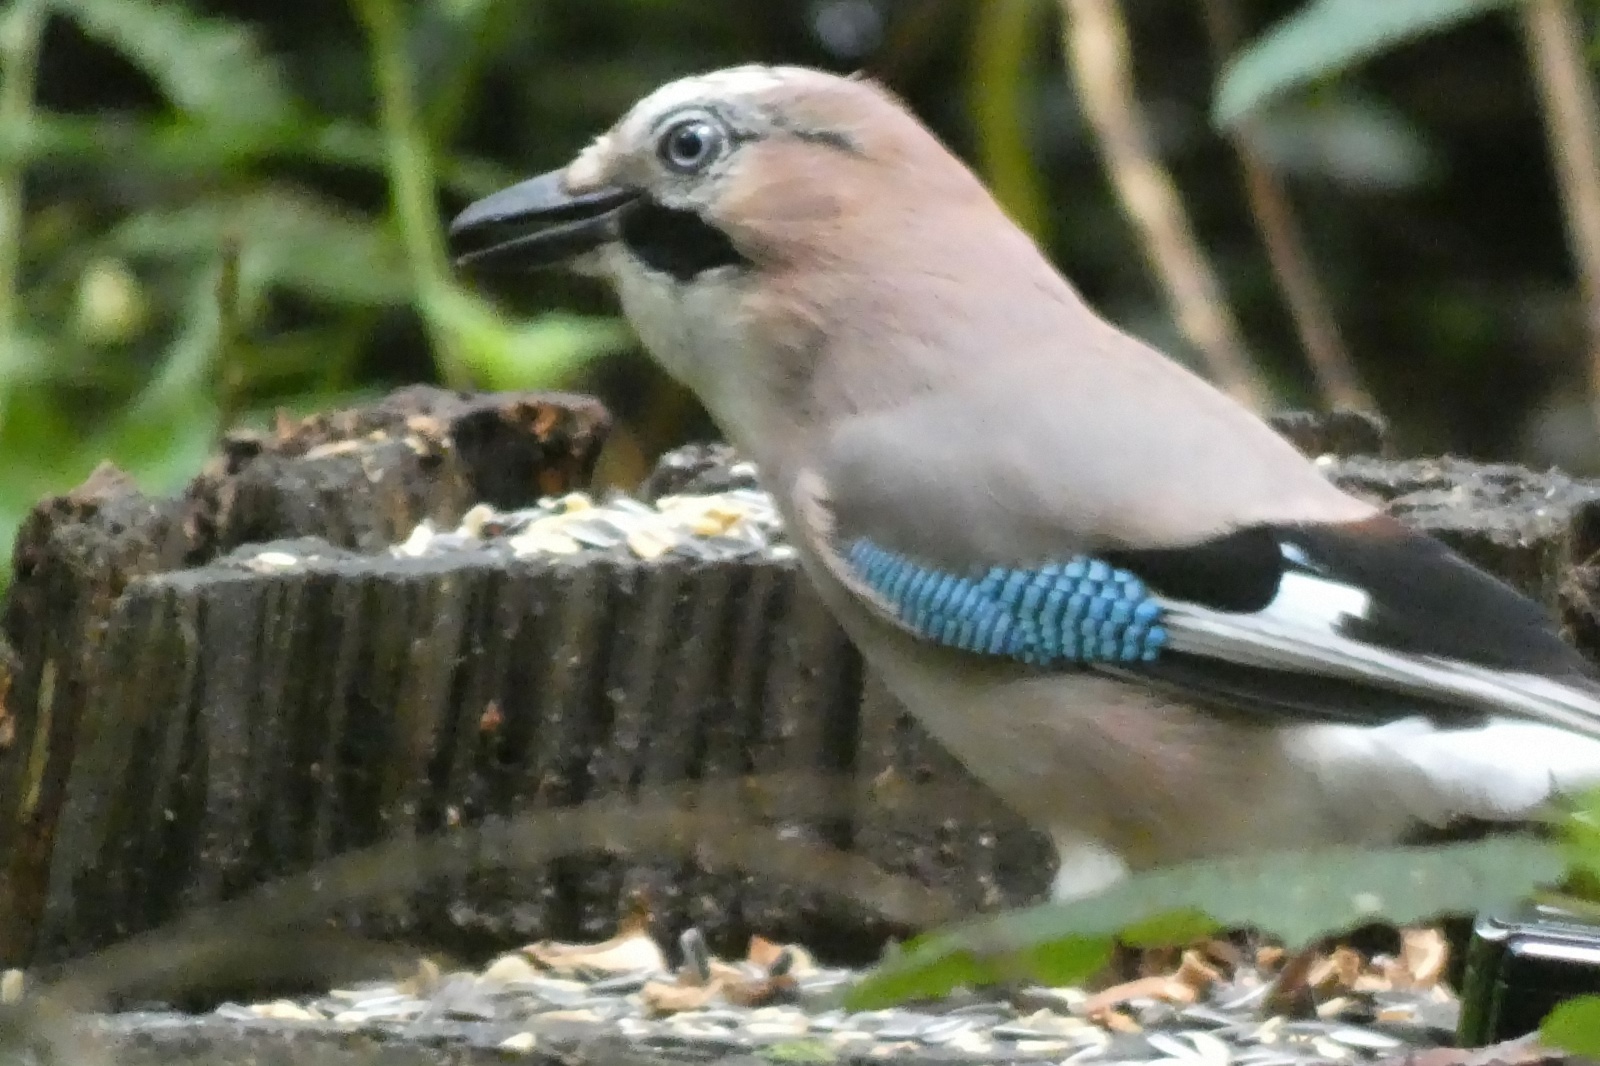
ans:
(751, 220)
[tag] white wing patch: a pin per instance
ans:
(1083, 866)
(1381, 779)
(1314, 602)
(1309, 600)
(1300, 630)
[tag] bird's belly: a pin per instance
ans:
(1080, 755)
(1157, 781)
(1389, 780)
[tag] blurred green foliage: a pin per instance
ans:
(1325, 37)
(211, 209)
(1574, 1026)
(202, 269)
(1298, 896)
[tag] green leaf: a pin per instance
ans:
(501, 353)
(286, 238)
(13, 509)
(105, 139)
(1325, 37)
(208, 68)
(1171, 927)
(163, 437)
(39, 442)
(289, 361)
(1298, 896)
(1348, 139)
(1574, 1026)
(163, 444)
(1578, 821)
(189, 367)
(26, 359)
(349, 144)
(184, 148)
(35, 439)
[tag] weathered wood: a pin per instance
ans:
(1526, 527)
(967, 842)
(1335, 433)
(73, 559)
(357, 478)
(697, 468)
(297, 713)
(363, 477)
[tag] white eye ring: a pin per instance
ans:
(688, 146)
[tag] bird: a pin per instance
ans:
(1126, 604)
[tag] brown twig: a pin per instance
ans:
(1555, 40)
(1097, 44)
(1338, 380)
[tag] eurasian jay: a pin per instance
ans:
(1124, 602)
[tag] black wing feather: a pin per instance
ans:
(1427, 600)
(1421, 600)
(1424, 599)
(1277, 695)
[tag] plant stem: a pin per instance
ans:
(449, 100)
(1338, 380)
(1097, 44)
(1004, 40)
(21, 30)
(228, 365)
(411, 178)
(1555, 40)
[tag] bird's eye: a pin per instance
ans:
(690, 145)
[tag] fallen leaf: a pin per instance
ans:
(766, 953)
(1158, 986)
(1424, 956)
(662, 997)
(1195, 973)
(625, 953)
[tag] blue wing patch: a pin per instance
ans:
(1080, 611)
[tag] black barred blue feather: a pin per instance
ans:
(1284, 637)
(1080, 611)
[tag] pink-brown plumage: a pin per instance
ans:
(909, 370)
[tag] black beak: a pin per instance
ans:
(536, 223)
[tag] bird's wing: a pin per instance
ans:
(979, 549)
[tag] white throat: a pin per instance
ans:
(698, 332)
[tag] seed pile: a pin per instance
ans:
(1218, 1005)
(725, 525)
